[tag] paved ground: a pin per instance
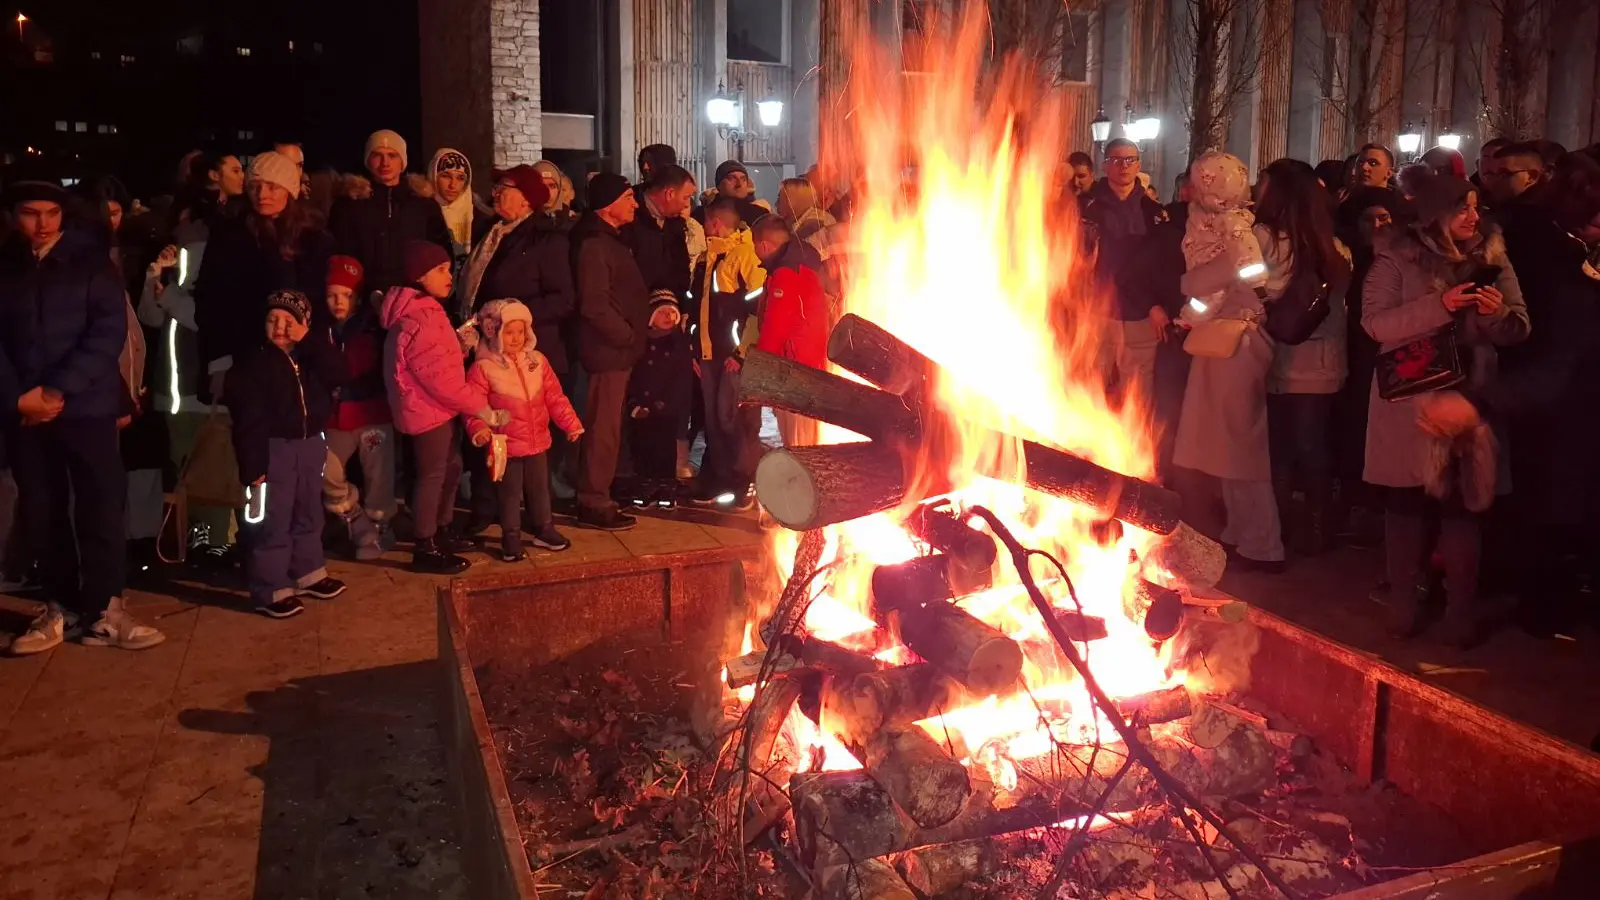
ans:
(245, 757)
(249, 758)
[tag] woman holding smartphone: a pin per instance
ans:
(1438, 300)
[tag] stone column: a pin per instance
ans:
(514, 72)
(479, 68)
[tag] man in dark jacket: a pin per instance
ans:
(63, 320)
(1120, 216)
(375, 229)
(613, 318)
(657, 234)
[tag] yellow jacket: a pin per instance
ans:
(730, 282)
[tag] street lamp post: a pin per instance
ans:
(1100, 130)
(726, 112)
(21, 21)
(1410, 140)
(1450, 140)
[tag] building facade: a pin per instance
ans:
(1312, 79)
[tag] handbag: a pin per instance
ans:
(1298, 312)
(1216, 338)
(1429, 363)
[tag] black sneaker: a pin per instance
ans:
(450, 541)
(429, 559)
(513, 556)
(606, 519)
(326, 589)
(548, 538)
(287, 608)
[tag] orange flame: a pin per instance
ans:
(974, 262)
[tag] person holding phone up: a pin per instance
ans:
(1439, 299)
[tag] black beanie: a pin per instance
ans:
(605, 189)
(727, 168)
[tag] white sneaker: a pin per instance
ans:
(119, 629)
(45, 632)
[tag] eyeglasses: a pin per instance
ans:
(1121, 160)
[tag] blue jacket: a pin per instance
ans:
(63, 321)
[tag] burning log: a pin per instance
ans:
(1185, 558)
(764, 721)
(971, 650)
(971, 552)
(843, 817)
(1224, 609)
(809, 487)
(1156, 707)
(868, 350)
(1159, 609)
(873, 353)
(870, 879)
(860, 707)
(771, 380)
(926, 579)
(800, 652)
(933, 871)
(922, 777)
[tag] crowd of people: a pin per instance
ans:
(268, 351)
(1352, 351)
(1363, 352)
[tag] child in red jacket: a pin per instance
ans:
(361, 422)
(511, 376)
(794, 311)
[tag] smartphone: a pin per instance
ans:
(1485, 276)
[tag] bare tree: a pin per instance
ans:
(1216, 59)
(1361, 60)
(1511, 62)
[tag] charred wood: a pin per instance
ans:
(969, 649)
(933, 871)
(1158, 609)
(859, 707)
(868, 350)
(923, 580)
(809, 487)
(845, 817)
(795, 652)
(1222, 609)
(871, 879)
(972, 553)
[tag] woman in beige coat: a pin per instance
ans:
(1418, 285)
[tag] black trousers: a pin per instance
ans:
(527, 479)
(72, 493)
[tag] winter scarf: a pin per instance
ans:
(458, 212)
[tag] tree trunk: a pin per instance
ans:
(935, 871)
(922, 777)
(810, 487)
(870, 879)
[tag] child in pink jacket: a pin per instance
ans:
(426, 376)
(512, 377)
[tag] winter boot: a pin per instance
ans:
(1461, 546)
(428, 558)
(1403, 548)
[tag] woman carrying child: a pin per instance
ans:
(513, 377)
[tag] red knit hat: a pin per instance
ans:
(345, 272)
(422, 257)
(526, 179)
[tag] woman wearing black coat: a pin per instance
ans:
(275, 246)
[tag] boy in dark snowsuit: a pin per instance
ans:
(660, 391)
(280, 395)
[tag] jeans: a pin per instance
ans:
(375, 447)
(285, 547)
(602, 439)
(527, 479)
(72, 491)
(438, 453)
(1300, 436)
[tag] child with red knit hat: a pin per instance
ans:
(361, 421)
